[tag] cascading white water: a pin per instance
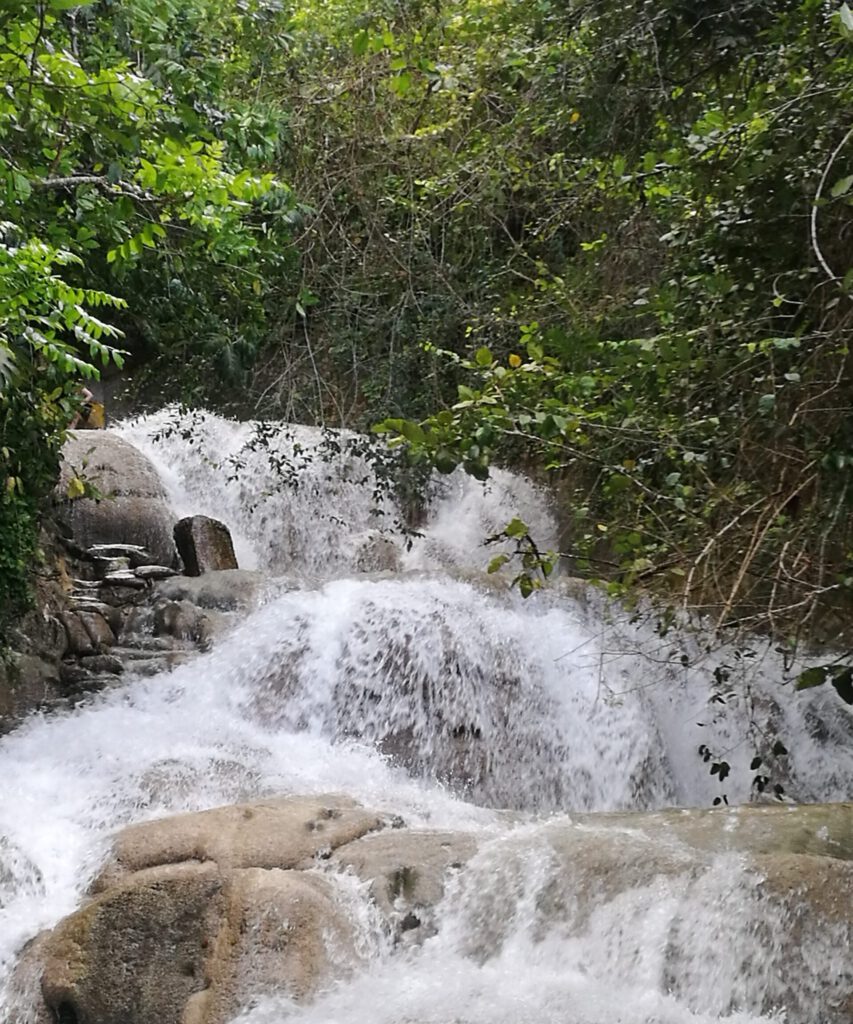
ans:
(437, 696)
(298, 499)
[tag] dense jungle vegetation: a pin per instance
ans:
(609, 242)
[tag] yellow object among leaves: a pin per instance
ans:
(95, 419)
(76, 488)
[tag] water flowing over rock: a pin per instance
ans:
(195, 912)
(170, 852)
(300, 499)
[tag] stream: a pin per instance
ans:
(391, 668)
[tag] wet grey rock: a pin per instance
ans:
(204, 545)
(79, 640)
(407, 872)
(142, 645)
(102, 664)
(182, 620)
(85, 586)
(134, 510)
(228, 590)
(16, 870)
(378, 554)
(138, 622)
(103, 566)
(156, 664)
(99, 630)
(121, 596)
(80, 680)
(27, 682)
(108, 612)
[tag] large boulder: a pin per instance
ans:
(137, 953)
(134, 508)
(190, 942)
(195, 913)
(204, 545)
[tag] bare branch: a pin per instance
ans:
(813, 224)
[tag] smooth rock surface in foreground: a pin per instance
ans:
(194, 914)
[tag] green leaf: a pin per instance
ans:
(812, 677)
(842, 187)
(516, 528)
(22, 185)
(483, 357)
(402, 83)
(412, 432)
(444, 461)
(360, 42)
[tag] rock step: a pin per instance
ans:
(144, 643)
(124, 578)
(134, 654)
(154, 666)
(154, 572)
(84, 586)
(133, 552)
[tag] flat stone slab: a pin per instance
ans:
(86, 584)
(124, 578)
(105, 565)
(154, 572)
(134, 552)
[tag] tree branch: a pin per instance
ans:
(813, 224)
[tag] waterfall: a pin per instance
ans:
(393, 669)
(300, 499)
